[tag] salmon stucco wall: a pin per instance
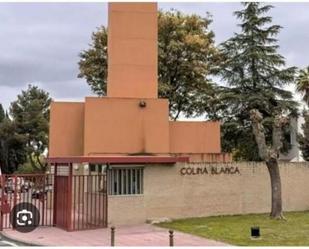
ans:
(66, 129)
(194, 137)
(121, 126)
(132, 50)
(117, 124)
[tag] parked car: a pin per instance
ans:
(42, 192)
(21, 185)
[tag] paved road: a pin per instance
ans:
(7, 243)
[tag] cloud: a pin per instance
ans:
(40, 42)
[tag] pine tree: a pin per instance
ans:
(12, 150)
(255, 74)
(30, 114)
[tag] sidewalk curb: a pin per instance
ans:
(11, 238)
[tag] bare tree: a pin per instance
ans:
(270, 155)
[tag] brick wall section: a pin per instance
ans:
(169, 194)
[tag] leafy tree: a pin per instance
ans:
(30, 113)
(187, 55)
(303, 139)
(255, 74)
(302, 84)
(26, 168)
(12, 151)
(93, 62)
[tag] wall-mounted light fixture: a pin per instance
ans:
(142, 104)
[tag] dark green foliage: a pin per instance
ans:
(93, 62)
(2, 113)
(26, 168)
(255, 74)
(303, 139)
(30, 113)
(302, 84)
(12, 150)
(186, 53)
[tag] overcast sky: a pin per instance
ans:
(40, 42)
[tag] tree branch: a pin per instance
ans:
(279, 122)
(258, 131)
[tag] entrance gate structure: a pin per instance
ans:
(69, 198)
(64, 199)
(80, 200)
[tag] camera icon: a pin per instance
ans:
(24, 218)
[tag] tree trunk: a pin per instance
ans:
(276, 198)
(270, 156)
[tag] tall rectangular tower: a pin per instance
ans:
(132, 50)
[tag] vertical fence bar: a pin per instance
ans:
(45, 206)
(51, 199)
(105, 196)
(121, 181)
(55, 195)
(38, 186)
(79, 202)
(100, 197)
(43, 199)
(130, 189)
(91, 202)
(103, 202)
(64, 211)
(69, 199)
(40, 195)
(74, 202)
(134, 181)
(14, 185)
(142, 181)
(95, 200)
(127, 181)
(15, 190)
(54, 192)
(83, 201)
(2, 201)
